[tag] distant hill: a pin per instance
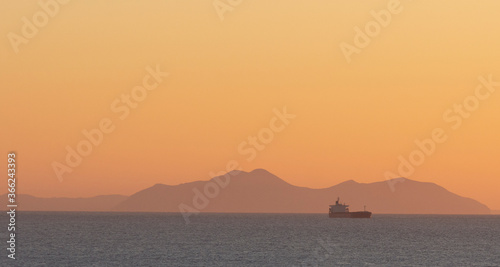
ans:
(262, 192)
(98, 203)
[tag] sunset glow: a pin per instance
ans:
(268, 87)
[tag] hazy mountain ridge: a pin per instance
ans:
(97, 203)
(262, 192)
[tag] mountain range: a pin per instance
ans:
(259, 191)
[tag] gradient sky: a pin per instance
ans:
(353, 120)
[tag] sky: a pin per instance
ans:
(234, 73)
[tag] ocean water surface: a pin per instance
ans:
(164, 239)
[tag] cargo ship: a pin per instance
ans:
(342, 211)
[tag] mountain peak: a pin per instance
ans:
(260, 172)
(400, 179)
(350, 182)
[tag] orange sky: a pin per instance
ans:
(353, 120)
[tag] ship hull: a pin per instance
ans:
(357, 214)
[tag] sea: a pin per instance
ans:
(209, 239)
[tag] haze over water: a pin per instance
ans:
(155, 239)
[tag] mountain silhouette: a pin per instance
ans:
(260, 191)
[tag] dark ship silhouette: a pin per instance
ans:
(342, 211)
